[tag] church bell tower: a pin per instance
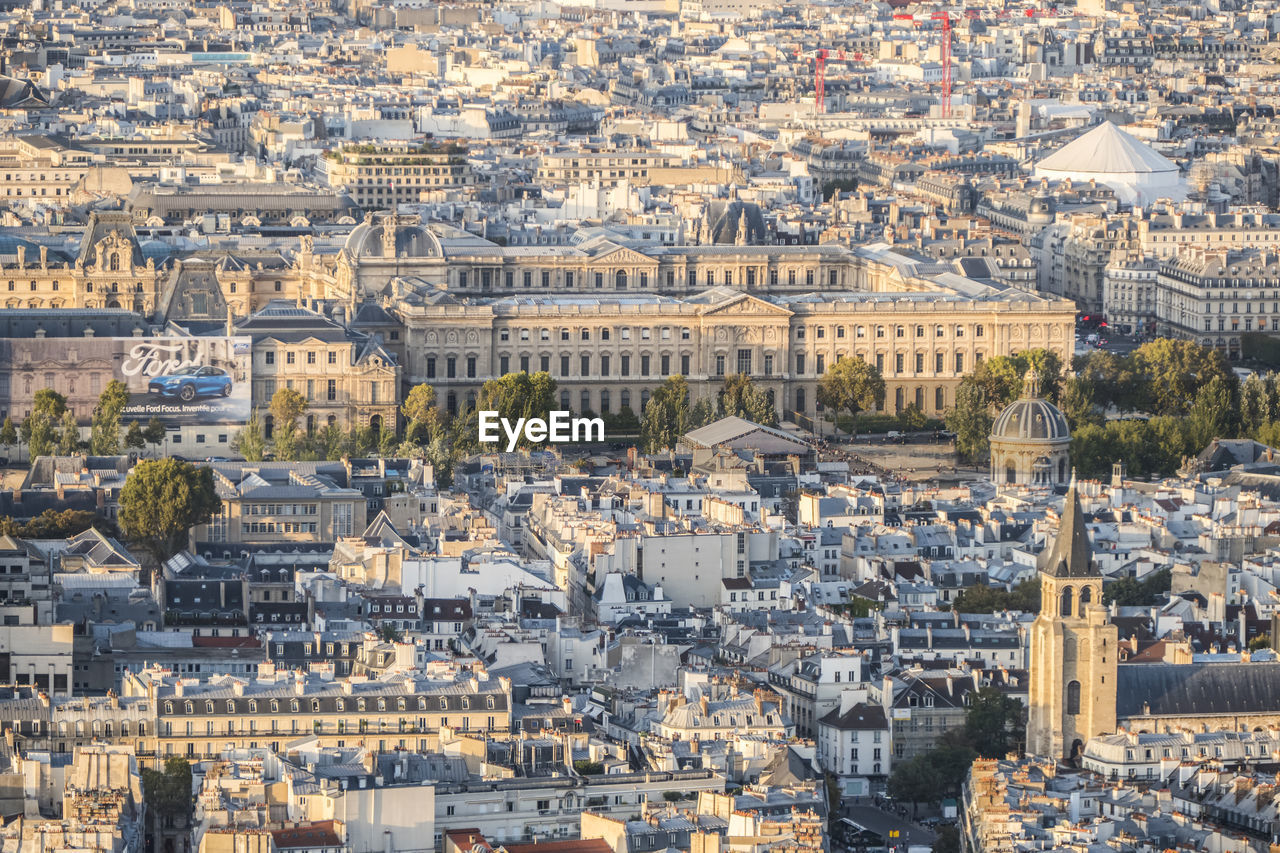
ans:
(1073, 646)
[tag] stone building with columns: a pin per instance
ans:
(1030, 441)
(609, 318)
(611, 321)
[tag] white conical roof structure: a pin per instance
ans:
(1108, 155)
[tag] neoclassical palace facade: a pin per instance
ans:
(610, 321)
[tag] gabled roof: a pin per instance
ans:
(741, 432)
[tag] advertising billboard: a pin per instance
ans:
(180, 380)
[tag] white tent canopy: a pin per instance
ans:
(1108, 155)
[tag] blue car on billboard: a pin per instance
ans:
(188, 383)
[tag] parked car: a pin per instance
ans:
(188, 383)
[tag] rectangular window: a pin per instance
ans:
(719, 365)
(744, 362)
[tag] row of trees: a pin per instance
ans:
(441, 438)
(52, 427)
(849, 386)
(670, 413)
(1171, 398)
(1025, 596)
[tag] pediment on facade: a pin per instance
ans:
(613, 255)
(744, 304)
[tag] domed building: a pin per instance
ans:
(386, 246)
(1030, 441)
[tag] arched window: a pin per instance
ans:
(113, 262)
(1073, 697)
(1010, 473)
(1065, 608)
(800, 400)
(620, 280)
(1086, 596)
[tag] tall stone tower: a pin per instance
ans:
(1073, 646)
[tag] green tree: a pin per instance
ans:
(167, 793)
(1077, 402)
(971, 421)
(851, 385)
(40, 434)
(49, 402)
(104, 432)
(8, 433)
(251, 441)
(41, 430)
(1213, 413)
(162, 500)
(934, 775)
(666, 416)
(948, 839)
(739, 397)
(1173, 371)
(982, 598)
(913, 417)
(423, 418)
(69, 438)
(52, 524)
(1130, 592)
(287, 405)
(154, 432)
(134, 438)
(994, 723)
(514, 396)
(1254, 403)
(419, 403)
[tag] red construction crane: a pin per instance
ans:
(945, 17)
(820, 73)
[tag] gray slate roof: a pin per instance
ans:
(1198, 688)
